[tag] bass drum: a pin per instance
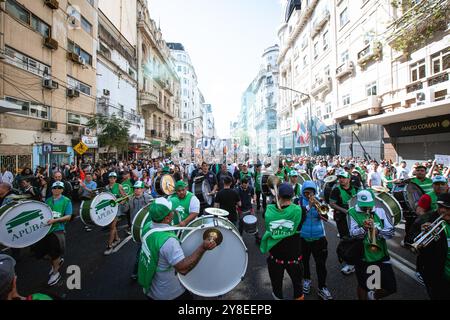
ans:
(139, 221)
(164, 185)
(220, 270)
(303, 176)
(201, 189)
(387, 202)
(24, 223)
(408, 194)
(100, 211)
(328, 187)
(264, 186)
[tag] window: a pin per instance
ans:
(74, 118)
(304, 42)
(440, 61)
(31, 109)
(17, 11)
(75, 84)
(344, 56)
(371, 89)
(327, 110)
(40, 26)
(346, 100)
(316, 50)
(26, 63)
(305, 61)
(418, 70)
(343, 18)
(325, 40)
(326, 71)
(86, 25)
(73, 47)
(179, 69)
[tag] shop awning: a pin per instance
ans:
(434, 109)
(6, 106)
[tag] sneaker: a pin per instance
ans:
(108, 250)
(129, 232)
(371, 295)
(325, 294)
(348, 269)
(134, 276)
(115, 243)
(61, 262)
(54, 278)
(87, 229)
(420, 279)
(306, 286)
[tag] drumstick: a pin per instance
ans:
(276, 196)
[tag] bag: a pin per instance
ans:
(350, 250)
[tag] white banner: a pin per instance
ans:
(91, 142)
(442, 159)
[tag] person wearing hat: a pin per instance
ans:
(435, 257)
(280, 174)
(212, 181)
(8, 282)
(428, 201)
(293, 177)
(288, 167)
(185, 204)
(127, 184)
(319, 173)
(117, 190)
(52, 246)
(340, 203)
(245, 174)
(282, 241)
(162, 256)
(367, 220)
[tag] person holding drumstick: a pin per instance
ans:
(185, 203)
(162, 254)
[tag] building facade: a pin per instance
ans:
(48, 69)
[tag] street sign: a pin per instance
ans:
(81, 148)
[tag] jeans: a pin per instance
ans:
(319, 251)
(276, 274)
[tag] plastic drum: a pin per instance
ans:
(139, 221)
(100, 211)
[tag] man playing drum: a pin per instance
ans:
(211, 178)
(53, 245)
(293, 177)
(373, 227)
(339, 201)
(161, 256)
(185, 204)
(138, 201)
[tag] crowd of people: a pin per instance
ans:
(242, 189)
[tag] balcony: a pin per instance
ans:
(371, 52)
(161, 81)
(347, 68)
(320, 23)
(148, 98)
(322, 84)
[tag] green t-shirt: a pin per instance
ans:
(388, 181)
(447, 262)
(38, 296)
(258, 181)
(426, 185)
(281, 176)
(434, 199)
(59, 210)
(115, 190)
(369, 255)
(128, 187)
(181, 206)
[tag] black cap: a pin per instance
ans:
(444, 200)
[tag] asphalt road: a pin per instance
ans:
(108, 277)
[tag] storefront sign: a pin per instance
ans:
(426, 126)
(46, 148)
(58, 148)
(442, 159)
(91, 142)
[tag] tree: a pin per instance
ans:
(112, 131)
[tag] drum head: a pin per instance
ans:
(217, 212)
(330, 179)
(206, 190)
(167, 184)
(250, 219)
(412, 194)
(23, 224)
(101, 212)
(220, 270)
(139, 220)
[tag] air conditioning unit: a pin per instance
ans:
(82, 61)
(425, 97)
(51, 43)
(74, 22)
(74, 57)
(73, 93)
(49, 125)
(53, 4)
(50, 84)
(73, 130)
(106, 92)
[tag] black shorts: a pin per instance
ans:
(53, 245)
(388, 281)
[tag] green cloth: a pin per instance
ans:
(447, 262)
(39, 296)
(149, 256)
(247, 175)
(281, 176)
(128, 187)
(181, 206)
(115, 190)
(258, 181)
(297, 189)
(362, 173)
(434, 199)
(59, 209)
(280, 225)
(426, 185)
(345, 196)
(369, 255)
(388, 181)
(287, 170)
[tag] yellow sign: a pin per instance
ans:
(81, 148)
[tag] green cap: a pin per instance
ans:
(139, 185)
(365, 199)
(344, 174)
(160, 209)
(180, 185)
(293, 173)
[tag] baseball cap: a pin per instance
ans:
(421, 166)
(365, 199)
(293, 173)
(7, 273)
(160, 209)
(444, 200)
(139, 185)
(344, 174)
(440, 179)
(58, 184)
(112, 174)
(285, 190)
(180, 185)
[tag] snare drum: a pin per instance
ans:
(24, 223)
(250, 224)
(407, 194)
(99, 210)
(387, 202)
(220, 270)
(330, 183)
(201, 189)
(164, 185)
(141, 219)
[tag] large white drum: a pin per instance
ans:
(100, 211)
(25, 223)
(220, 270)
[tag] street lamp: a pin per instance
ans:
(311, 147)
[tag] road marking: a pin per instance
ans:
(402, 260)
(121, 244)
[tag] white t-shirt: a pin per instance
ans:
(375, 178)
(320, 172)
(194, 206)
(402, 173)
(7, 177)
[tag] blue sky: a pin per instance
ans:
(225, 39)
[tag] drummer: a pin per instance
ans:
(293, 177)
(211, 178)
(428, 202)
(162, 255)
(185, 203)
(53, 245)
